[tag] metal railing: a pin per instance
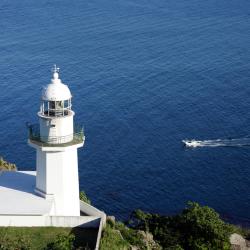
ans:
(55, 141)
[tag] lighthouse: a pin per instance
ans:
(49, 196)
(56, 139)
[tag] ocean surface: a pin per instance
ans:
(145, 75)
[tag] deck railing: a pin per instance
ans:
(55, 141)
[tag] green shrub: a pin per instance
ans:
(197, 228)
(62, 242)
(16, 242)
(161, 227)
(112, 240)
(130, 235)
(202, 228)
(84, 197)
(122, 237)
(41, 238)
(110, 222)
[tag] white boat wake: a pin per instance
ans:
(242, 142)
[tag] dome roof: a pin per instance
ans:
(56, 90)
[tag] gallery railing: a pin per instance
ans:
(55, 141)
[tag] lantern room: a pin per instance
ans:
(56, 114)
(56, 117)
(56, 98)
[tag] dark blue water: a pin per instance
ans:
(145, 75)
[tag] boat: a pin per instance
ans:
(191, 143)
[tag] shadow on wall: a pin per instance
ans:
(20, 181)
(85, 237)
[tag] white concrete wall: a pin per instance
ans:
(94, 219)
(57, 177)
(57, 127)
(41, 171)
(49, 221)
(99, 235)
(92, 211)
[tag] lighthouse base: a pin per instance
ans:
(22, 207)
(57, 177)
(18, 197)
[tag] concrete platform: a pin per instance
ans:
(20, 206)
(17, 196)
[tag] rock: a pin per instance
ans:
(238, 242)
(148, 240)
(111, 218)
(133, 248)
(248, 243)
(111, 221)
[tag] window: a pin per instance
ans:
(59, 105)
(56, 108)
(66, 103)
(51, 105)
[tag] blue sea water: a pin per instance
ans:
(144, 75)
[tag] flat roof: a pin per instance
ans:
(17, 196)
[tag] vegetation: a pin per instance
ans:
(13, 241)
(84, 197)
(195, 228)
(117, 236)
(45, 238)
(112, 239)
(4, 165)
(62, 242)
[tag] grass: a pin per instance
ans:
(117, 236)
(36, 238)
(112, 240)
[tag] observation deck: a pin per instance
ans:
(55, 141)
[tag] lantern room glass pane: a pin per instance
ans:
(59, 105)
(66, 103)
(56, 108)
(51, 105)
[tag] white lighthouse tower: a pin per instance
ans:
(56, 140)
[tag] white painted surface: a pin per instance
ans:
(19, 202)
(56, 200)
(53, 127)
(17, 196)
(55, 148)
(57, 175)
(21, 207)
(49, 221)
(56, 90)
(92, 211)
(57, 167)
(99, 234)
